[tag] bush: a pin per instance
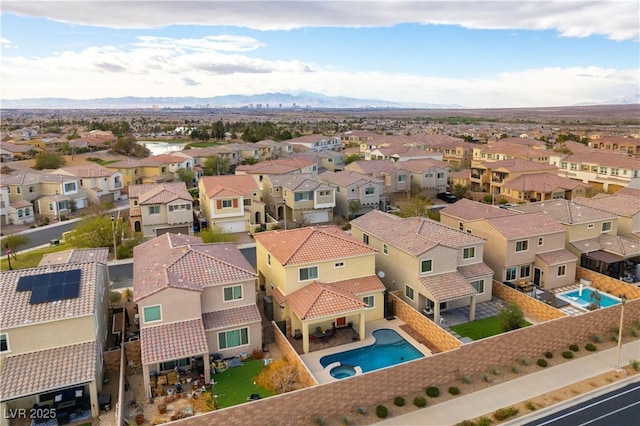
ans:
(495, 371)
(487, 199)
(318, 421)
(511, 317)
(346, 421)
(595, 338)
(419, 402)
(567, 354)
(514, 369)
(454, 390)
(590, 347)
(483, 421)
(542, 362)
(548, 355)
(465, 379)
(466, 423)
(635, 364)
(523, 361)
(573, 347)
(505, 413)
(433, 392)
(398, 401)
(361, 410)
(382, 412)
(530, 406)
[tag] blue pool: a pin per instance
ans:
(586, 298)
(389, 349)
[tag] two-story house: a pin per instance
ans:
(232, 203)
(543, 186)
(101, 184)
(275, 149)
(319, 277)
(4, 205)
(283, 166)
(356, 194)
(616, 144)
(395, 180)
(317, 142)
(624, 204)
(326, 160)
(298, 199)
(194, 299)
(427, 173)
(53, 329)
(435, 267)
(492, 176)
(157, 208)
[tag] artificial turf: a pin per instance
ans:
(479, 329)
(234, 385)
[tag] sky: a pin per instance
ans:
(476, 54)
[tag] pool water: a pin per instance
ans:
(585, 299)
(389, 349)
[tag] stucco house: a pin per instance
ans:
(53, 328)
(157, 208)
(434, 266)
(354, 190)
(194, 299)
(492, 176)
(319, 277)
(395, 179)
(427, 174)
(101, 184)
(625, 204)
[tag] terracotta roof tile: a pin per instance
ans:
(565, 211)
(543, 182)
(468, 210)
(610, 243)
(317, 300)
(447, 286)
(557, 257)
(240, 184)
(38, 372)
(231, 317)
(177, 340)
(618, 203)
(360, 285)
(476, 270)
(526, 225)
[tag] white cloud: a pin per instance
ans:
(617, 19)
(7, 44)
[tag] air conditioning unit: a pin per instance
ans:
(136, 319)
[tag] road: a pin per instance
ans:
(41, 236)
(618, 407)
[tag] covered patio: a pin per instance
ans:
(447, 291)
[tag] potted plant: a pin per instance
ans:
(139, 418)
(162, 408)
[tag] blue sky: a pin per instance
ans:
(469, 53)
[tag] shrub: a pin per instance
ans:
(454, 390)
(487, 199)
(465, 379)
(433, 392)
(483, 421)
(590, 347)
(318, 421)
(634, 332)
(567, 354)
(636, 324)
(548, 354)
(542, 362)
(523, 361)
(419, 402)
(573, 347)
(466, 423)
(514, 369)
(382, 412)
(398, 401)
(510, 317)
(595, 338)
(495, 371)
(635, 364)
(505, 413)
(530, 406)
(361, 410)
(346, 421)
(487, 379)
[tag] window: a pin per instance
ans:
(606, 226)
(50, 207)
(590, 226)
(324, 193)
(227, 204)
(154, 209)
(408, 291)
(478, 285)
(20, 213)
(365, 238)
(525, 271)
(269, 259)
(18, 190)
(303, 196)
(233, 338)
(163, 169)
(402, 178)
(562, 270)
(31, 189)
(338, 265)
(232, 293)
(27, 212)
(4, 343)
(469, 253)
(511, 273)
(71, 186)
(369, 300)
(170, 365)
(385, 249)
(522, 245)
(540, 241)
(247, 201)
(440, 175)
(461, 226)
(310, 273)
(152, 313)
(369, 191)
(614, 171)
(426, 266)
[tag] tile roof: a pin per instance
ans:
(167, 342)
(619, 203)
(415, 235)
(231, 317)
(421, 165)
(159, 193)
(447, 286)
(311, 244)
(278, 296)
(518, 165)
(16, 310)
(609, 243)
(468, 210)
(99, 255)
(27, 178)
(174, 261)
(299, 182)
(317, 300)
(476, 270)
(87, 171)
(599, 157)
(281, 166)
(374, 168)
(347, 177)
(42, 371)
(360, 285)
(565, 211)
(240, 184)
(526, 225)
(543, 182)
(557, 257)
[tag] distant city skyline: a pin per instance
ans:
(497, 54)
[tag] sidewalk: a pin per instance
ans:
(487, 401)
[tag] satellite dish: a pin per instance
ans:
(381, 274)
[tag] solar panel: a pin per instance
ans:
(52, 286)
(55, 292)
(71, 291)
(26, 283)
(39, 295)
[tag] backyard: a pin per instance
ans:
(481, 328)
(235, 385)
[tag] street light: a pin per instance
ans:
(623, 298)
(113, 233)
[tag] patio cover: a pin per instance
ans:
(318, 300)
(448, 286)
(604, 256)
(173, 341)
(43, 371)
(231, 317)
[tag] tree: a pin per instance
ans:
(280, 376)
(416, 206)
(351, 158)
(128, 145)
(49, 160)
(186, 175)
(96, 231)
(251, 160)
(216, 235)
(354, 207)
(460, 190)
(511, 317)
(15, 242)
(216, 165)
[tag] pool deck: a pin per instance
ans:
(312, 359)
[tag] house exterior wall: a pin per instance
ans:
(254, 334)
(583, 231)
(188, 308)
(213, 297)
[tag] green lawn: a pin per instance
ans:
(30, 259)
(235, 385)
(480, 329)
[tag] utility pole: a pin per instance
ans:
(623, 298)
(113, 233)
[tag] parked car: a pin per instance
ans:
(447, 197)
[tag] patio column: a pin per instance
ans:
(436, 312)
(305, 337)
(472, 309)
(207, 368)
(93, 395)
(362, 326)
(145, 380)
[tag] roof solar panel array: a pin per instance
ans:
(51, 286)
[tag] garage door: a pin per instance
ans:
(232, 226)
(184, 230)
(316, 217)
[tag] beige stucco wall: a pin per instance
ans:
(354, 267)
(581, 231)
(213, 296)
(187, 308)
(48, 335)
(255, 340)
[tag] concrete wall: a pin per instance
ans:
(608, 285)
(528, 304)
(304, 375)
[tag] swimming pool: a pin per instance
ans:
(389, 349)
(586, 297)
